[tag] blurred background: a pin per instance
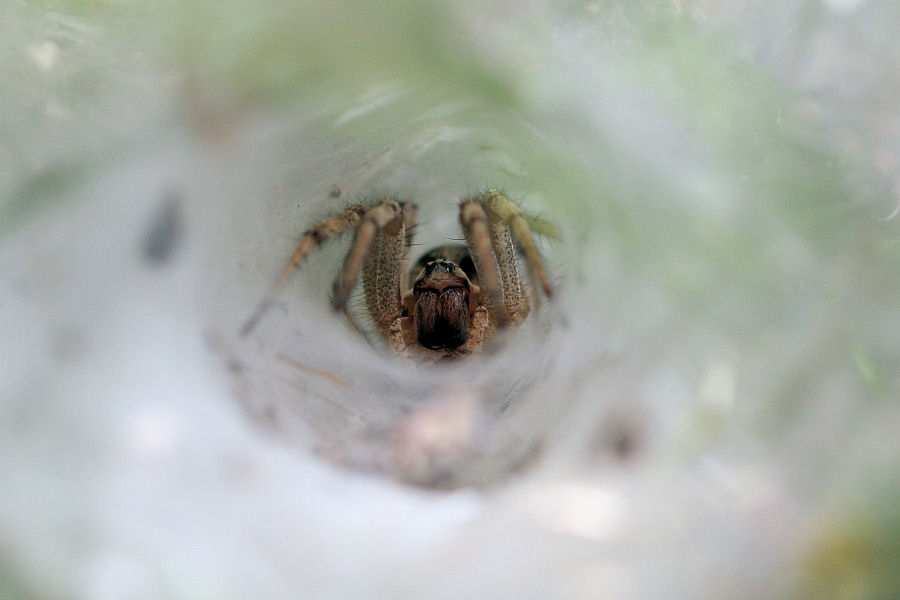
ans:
(708, 409)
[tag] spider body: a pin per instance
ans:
(442, 301)
(454, 298)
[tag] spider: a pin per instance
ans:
(460, 296)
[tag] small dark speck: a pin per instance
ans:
(622, 436)
(335, 191)
(165, 232)
(625, 444)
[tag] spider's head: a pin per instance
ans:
(441, 293)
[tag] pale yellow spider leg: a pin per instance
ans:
(515, 296)
(476, 229)
(313, 237)
(375, 219)
(383, 270)
(496, 202)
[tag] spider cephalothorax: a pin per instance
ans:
(460, 295)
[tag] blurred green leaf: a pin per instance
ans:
(40, 192)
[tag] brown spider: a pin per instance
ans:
(460, 295)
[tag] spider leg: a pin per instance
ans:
(313, 237)
(387, 282)
(410, 220)
(380, 228)
(497, 203)
(476, 229)
(383, 268)
(515, 296)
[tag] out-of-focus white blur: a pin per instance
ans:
(709, 408)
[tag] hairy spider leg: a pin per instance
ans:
(497, 203)
(312, 238)
(382, 270)
(515, 296)
(476, 229)
(371, 226)
(410, 220)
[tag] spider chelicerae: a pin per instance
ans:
(460, 295)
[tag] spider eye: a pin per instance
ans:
(439, 266)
